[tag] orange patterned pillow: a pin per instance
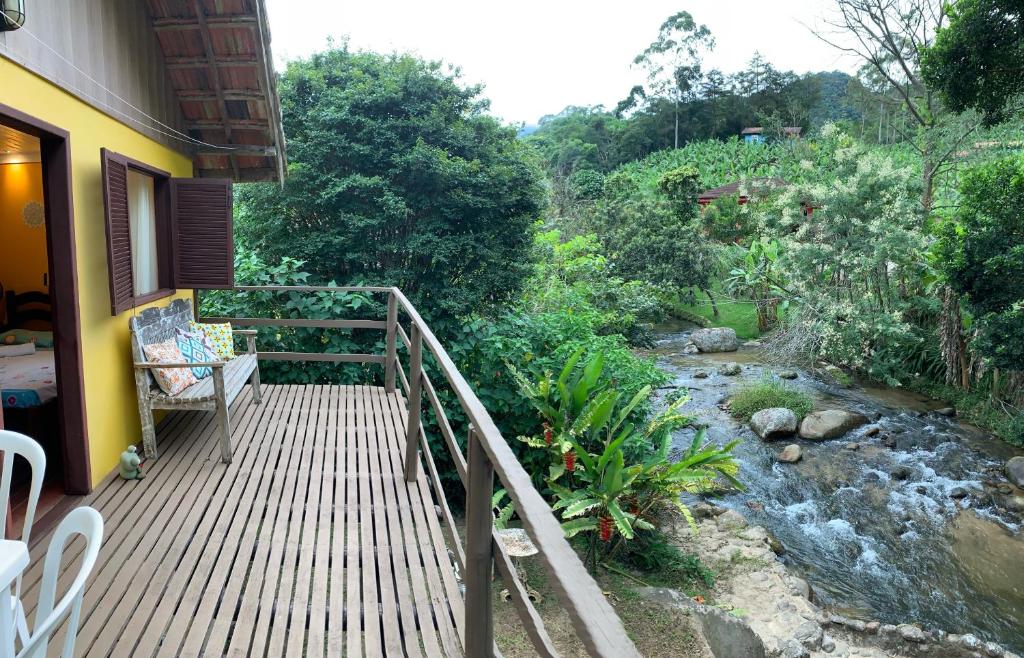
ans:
(171, 380)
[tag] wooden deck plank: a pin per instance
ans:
(201, 508)
(258, 614)
(445, 596)
(353, 567)
(336, 609)
(248, 556)
(367, 540)
(142, 530)
(310, 544)
(205, 593)
(289, 635)
(404, 555)
(235, 621)
(382, 538)
(319, 592)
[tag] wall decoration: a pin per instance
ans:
(33, 214)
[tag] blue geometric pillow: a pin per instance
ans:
(193, 349)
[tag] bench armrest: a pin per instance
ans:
(193, 364)
(250, 339)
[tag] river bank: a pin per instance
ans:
(904, 520)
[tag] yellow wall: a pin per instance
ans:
(22, 248)
(111, 408)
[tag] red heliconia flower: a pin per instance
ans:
(570, 461)
(547, 434)
(604, 528)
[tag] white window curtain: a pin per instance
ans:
(142, 214)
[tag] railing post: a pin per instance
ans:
(479, 640)
(390, 352)
(412, 425)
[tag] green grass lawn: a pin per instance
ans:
(741, 316)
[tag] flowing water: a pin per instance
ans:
(876, 530)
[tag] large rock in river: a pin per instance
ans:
(773, 423)
(1015, 471)
(830, 423)
(715, 339)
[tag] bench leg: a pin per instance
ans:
(223, 418)
(224, 425)
(148, 432)
(254, 381)
(146, 418)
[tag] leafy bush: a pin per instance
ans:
(252, 270)
(609, 470)
(575, 277)
(982, 254)
(767, 394)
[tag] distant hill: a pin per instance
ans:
(834, 103)
(528, 130)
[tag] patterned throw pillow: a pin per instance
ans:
(195, 348)
(171, 380)
(219, 336)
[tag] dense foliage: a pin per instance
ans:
(978, 60)
(397, 176)
(982, 254)
(607, 466)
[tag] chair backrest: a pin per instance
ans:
(13, 443)
(83, 521)
(157, 324)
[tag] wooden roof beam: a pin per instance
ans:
(228, 94)
(170, 24)
(203, 62)
(239, 149)
(236, 124)
(211, 55)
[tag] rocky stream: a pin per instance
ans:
(905, 524)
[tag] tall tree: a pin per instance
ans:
(891, 36)
(672, 62)
(978, 60)
(398, 177)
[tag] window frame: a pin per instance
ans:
(162, 199)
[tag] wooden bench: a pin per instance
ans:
(214, 393)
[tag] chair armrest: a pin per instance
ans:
(193, 364)
(244, 332)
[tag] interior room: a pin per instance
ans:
(28, 378)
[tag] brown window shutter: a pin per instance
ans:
(119, 241)
(201, 226)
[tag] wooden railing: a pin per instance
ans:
(487, 456)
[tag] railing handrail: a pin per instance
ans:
(596, 622)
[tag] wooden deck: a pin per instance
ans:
(309, 544)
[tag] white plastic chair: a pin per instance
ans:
(84, 521)
(11, 444)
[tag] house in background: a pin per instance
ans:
(744, 190)
(755, 134)
(123, 125)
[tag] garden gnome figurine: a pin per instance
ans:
(131, 465)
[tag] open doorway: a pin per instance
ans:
(40, 351)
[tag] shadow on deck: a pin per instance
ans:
(310, 543)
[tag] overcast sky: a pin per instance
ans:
(536, 57)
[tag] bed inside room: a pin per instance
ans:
(28, 376)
